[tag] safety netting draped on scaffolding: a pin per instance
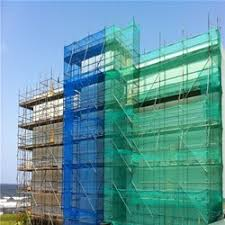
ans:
(83, 130)
(142, 133)
(178, 169)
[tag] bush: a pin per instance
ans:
(8, 219)
(22, 219)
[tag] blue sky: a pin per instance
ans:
(34, 34)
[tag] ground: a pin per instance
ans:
(8, 219)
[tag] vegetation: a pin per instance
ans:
(23, 219)
(14, 219)
(8, 219)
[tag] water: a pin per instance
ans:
(8, 190)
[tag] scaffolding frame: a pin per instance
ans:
(130, 139)
(90, 68)
(167, 167)
(39, 153)
(83, 130)
(154, 106)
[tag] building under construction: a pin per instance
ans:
(128, 138)
(40, 145)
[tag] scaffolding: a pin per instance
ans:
(142, 133)
(40, 152)
(92, 68)
(83, 130)
(130, 138)
(119, 121)
(163, 159)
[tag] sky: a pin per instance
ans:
(33, 35)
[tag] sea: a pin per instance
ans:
(8, 190)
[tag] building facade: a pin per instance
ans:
(40, 152)
(140, 135)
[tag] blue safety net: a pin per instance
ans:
(83, 131)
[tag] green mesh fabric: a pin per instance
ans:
(163, 132)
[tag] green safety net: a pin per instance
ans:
(163, 132)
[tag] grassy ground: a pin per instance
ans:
(8, 219)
